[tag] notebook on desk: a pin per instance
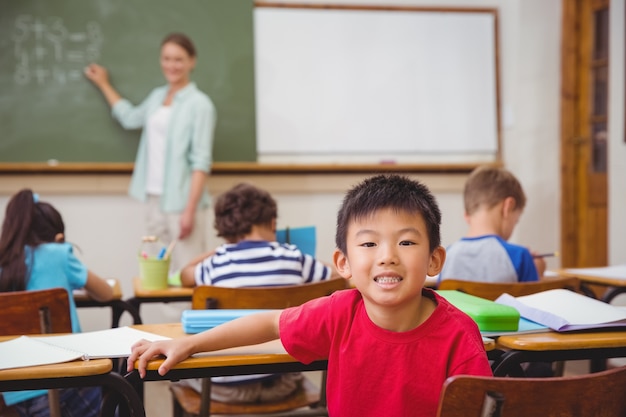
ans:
(564, 310)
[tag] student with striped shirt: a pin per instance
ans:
(245, 217)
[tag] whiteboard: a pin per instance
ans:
(341, 85)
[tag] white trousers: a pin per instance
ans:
(166, 226)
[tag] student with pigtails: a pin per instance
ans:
(35, 256)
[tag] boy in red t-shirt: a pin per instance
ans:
(390, 342)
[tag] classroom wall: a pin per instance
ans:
(107, 225)
(617, 134)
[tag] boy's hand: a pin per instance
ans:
(142, 351)
(540, 263)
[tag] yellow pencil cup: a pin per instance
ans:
(153, 273)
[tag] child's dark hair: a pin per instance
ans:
(388, 191)
(27, 222)
(241, 207)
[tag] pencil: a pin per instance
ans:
(169, 249)
(546, 255)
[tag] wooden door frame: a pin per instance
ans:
(570, 36)
(576, 35)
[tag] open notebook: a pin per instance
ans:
(44, 350)
(564, 310)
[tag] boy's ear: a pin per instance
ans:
(59, 238)
(341, 263)
(508, 206)
(437, 258)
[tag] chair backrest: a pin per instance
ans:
(492, 290)
(209, 296)
(35, 312)
(598, 395)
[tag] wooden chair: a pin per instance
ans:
(598, 395)
(189, 402)
(492, 290)
(36, 312)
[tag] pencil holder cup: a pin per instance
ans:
(153, 273)
(153, 266)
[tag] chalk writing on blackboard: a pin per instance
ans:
(46, 51)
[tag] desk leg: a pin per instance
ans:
(132, 406)
(611, 293)
(118, 307)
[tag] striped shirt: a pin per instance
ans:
(252, 263)
(259, 264)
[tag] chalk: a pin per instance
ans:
(53, 162)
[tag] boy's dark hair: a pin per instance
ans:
(241, 207)
(388, 191)
(181, 40)
(27, 222)
(488, 186)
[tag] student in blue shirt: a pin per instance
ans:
(494, 201)
(174, 154)
(34, 256)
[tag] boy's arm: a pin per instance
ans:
(188, 273)
(247, 330)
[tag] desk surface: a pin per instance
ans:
(169, 292)
(562, 341)
(266, 353)
(59, 370)
(56, 370)
(614, 276)
(81, 295)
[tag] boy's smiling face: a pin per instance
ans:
(388, 257)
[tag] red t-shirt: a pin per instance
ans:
(377, 372)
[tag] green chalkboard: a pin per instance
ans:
(49, 110)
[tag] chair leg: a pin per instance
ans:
(559, 368)
(178, 410)
(205, 401)
(54, 402)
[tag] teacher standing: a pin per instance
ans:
(174, 154)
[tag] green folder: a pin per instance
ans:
(490, 316)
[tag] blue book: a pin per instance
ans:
(196, 321)
(303, 237)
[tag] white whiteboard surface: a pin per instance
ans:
(337, 85)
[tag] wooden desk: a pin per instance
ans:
(118, 306)
(169, 294)
(612, 277)
(95, 372)
(268, 357)
(553, 346)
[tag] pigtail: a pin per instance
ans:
(16, 234)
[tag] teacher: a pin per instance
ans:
(174, 154)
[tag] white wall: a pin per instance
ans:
(107, 225)
(617, 135)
